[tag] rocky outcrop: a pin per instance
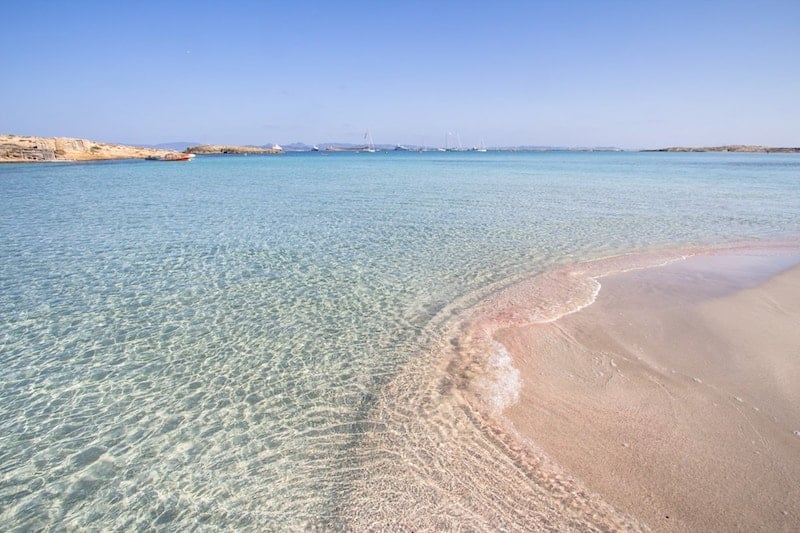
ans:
(20, 149)
(222, 149)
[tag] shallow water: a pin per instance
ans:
(232, 342)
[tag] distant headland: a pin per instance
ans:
(22, 149)
(28, 149)
(731, 148)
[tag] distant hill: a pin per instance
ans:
(178, 146)
(207, 149)
(530, 148)
(297, 147)
(730, 148)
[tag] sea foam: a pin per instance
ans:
(501, 384)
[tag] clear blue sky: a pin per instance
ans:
(576, 73)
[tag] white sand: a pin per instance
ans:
(676, 395)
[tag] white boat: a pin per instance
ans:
(446, 143)
(370, 149)
(172, 156)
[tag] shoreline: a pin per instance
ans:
(460, 439)
(663, 437)
(730, 148)
(28, 149)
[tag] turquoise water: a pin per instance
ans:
(213, 344)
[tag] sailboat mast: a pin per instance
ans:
(370, 146)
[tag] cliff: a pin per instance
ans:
(221, 149)
(20, 149)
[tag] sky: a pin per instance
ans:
(630, 74)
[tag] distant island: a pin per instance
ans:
(206, 149)
(731, 148)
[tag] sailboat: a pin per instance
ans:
(481, 148)
(446, 147)
(370, 149)
(449, 148)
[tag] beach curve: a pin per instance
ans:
(454, 451)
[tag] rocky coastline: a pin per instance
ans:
(28, 149)
(31, 149)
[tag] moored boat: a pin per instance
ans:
(370, 148)
(172, 156)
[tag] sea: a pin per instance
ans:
(266, 342)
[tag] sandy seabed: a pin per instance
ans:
(675, 395)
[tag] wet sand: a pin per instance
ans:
(675, 396)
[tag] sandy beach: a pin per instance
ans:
(674, 396)
(404, 342)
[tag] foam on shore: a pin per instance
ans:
(675, 395)
(519, 421)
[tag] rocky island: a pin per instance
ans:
(23, 149)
